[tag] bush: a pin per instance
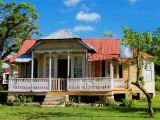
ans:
(157, 83)
(17, 99)
(71, 102)
(29, 99)
(127, 103)
(107, 100)
(10, 100)
(23, 99)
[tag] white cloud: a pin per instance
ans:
(82, 28)
(133, 1)
(71, 3)
(88, 17)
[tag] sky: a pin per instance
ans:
(91, 18)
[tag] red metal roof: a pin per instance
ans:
(106, 48)
(27, 44)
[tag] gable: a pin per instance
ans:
(59, 46)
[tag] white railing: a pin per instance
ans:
(29, 85)
(118, 83)
(59, 84)
(93, 83)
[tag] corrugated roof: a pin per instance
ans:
(61, 34)
(27, 44)
(106, 48)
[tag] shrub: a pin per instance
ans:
(157, 83)
(29, 99)
(10, 100)
(107, 100)
(71, 102)
(23, 99)
(127, 103)
(17, 99)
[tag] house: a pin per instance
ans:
(63, 63)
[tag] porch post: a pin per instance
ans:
(50, 76)
(68, 71)
(111, 75)
(32, 67)
(129, 77)
(86, 63)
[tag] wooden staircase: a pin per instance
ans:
(53, 101)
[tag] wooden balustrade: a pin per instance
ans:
(29, 85)
(88, 83)
(118, 83)
(59, 84)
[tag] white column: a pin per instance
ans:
(68, 71)
(129, 77)
(90, 69)
(32, 67)
(50, 70)
(72, 66)
(111, 75)
(117, 70)
(86, 63)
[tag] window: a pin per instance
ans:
(52, 67)
(78, 67)
(148, 66)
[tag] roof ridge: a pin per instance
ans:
(61, 34)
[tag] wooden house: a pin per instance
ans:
(63, 63)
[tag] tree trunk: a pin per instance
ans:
(137, 83)
(150, 108)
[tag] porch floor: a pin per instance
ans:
(81, 93)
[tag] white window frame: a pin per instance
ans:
(83, 64)
(151, 69)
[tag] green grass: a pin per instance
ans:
(137, 112)
(157, 83)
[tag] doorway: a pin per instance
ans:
(62, 68)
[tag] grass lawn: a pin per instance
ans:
(137, 112)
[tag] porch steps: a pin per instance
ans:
(53, 101)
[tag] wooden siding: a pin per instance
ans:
(59, 46)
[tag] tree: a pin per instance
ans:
(17, 23)
(139, 42)
(107, 34)
(154, 49)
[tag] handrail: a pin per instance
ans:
(60, 84)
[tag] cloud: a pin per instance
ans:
(88, 17)
(82, 28)
(133, 1)
(71, 3)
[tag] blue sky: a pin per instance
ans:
(91, 18)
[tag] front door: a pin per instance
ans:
(62, 68)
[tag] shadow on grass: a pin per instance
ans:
(101, 112)
(56, 114)
(72, 115)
